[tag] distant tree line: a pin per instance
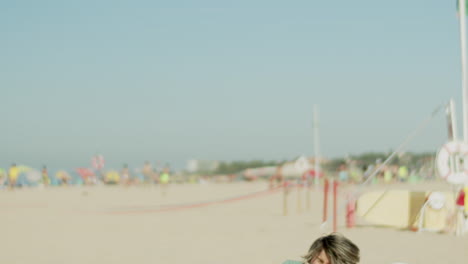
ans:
(238, 166)
(409, 159)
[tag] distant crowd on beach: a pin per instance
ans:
(352, 174)
(17, 176)
(155, 174)
(385, 174)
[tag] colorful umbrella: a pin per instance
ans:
(22, 169)
(33, 176)
(62, 175)
(112, 177)
(85, 173)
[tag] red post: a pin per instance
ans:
(350, 212)
(335, 196)
(325, 200)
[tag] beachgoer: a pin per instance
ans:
(63, 177)
(330, 249)
(343, 174)
(147, 172)
(13, 175)
(164, 179)
(277, 178)
(355, 175)
(45, 176)
(388, 175)
(125, 175)
(155, 176)
(2, 177)
(403, 174)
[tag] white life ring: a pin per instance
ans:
(450, 149)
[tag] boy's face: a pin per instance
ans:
(322, 258)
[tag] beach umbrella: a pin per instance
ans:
(23, 169)
(112, 177)
(33, 176)
(62, 175)
(85, 173)
(22, 174)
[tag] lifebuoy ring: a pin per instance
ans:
(450, 149)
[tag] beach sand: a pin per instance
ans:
(114, 224)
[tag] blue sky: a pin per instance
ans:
(170, 81)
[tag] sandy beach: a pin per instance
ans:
(211, 223)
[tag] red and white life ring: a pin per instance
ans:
(98, 162)
(455, 149)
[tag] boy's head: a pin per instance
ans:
(332, 249)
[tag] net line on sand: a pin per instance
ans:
(183, 206)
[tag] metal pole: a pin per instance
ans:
(453, 120)
(325, 201)
(453, 135)
(285, 198)
(462, 8)
(299, 198)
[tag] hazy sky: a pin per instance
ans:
(174, 80)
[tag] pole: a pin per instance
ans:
(285, 198)
(325, 201)
(462, 8)
(452, 133)
(400, 147)
(299, 198)
(335, 197)
(453, 120)
(316, 146)
(350, 211)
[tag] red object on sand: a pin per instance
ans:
(311, 174)
(461, 198)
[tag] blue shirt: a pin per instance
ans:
(293, 262)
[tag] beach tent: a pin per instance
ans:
(402, 209)
(393, 208)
